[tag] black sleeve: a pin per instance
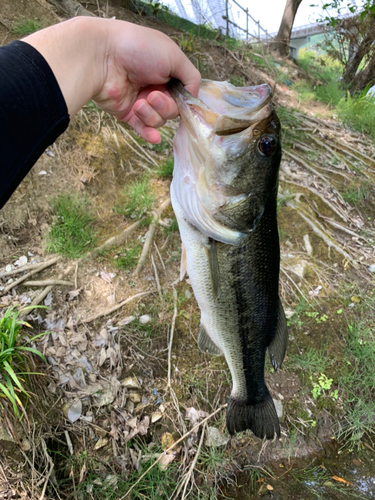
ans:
(33, 112)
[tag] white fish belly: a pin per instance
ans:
(219, 317)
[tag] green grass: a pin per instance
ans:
(356, 195)
(26, 27)
(358, 112)
(158, 484)
(137, 199)
(238, 81)
(15, 362)
(72, 231)
(311, 361)
(129, 256)
(172, 228)
(166, 168)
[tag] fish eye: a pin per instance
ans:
(266, 145)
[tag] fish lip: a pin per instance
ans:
(187, 102)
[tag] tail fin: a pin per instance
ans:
(261, 418)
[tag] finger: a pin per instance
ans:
(147, 133)
(163, 104)
(185, 71)
(147, 114)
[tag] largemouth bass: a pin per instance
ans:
(224, 191)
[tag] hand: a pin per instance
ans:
(123, 67)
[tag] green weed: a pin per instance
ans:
(237, 81)
(138, 199)
(166, 168)
(15, 362)
(356, 195)
(72, 231)
(26, 27)
(304, 91)
(172, 228)
(129, 256)
(358, 381)
(321, 385)
(358, 112)
(312, 361)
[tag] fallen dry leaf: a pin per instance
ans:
(166, 459)
(341, 480)
(166, 440)
(101, 443)
(269, 487)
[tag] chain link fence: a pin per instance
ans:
(205, 17)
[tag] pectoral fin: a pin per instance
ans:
(205, 344)
(213, 264)
(183, 266)
(277, 348)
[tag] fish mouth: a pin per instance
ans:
(224, 108)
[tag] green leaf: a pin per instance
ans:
(10, 398)
(11, 373)
(34, 351)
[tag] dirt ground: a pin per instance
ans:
(106, 382)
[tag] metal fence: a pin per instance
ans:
(227, 16)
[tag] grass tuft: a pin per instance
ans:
(26, 27)
(166, 168)
(138, 199)
(72, 232)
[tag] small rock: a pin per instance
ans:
(135, 397)
(9, 268)
(279, 408)
(214, 438)
(130, 383)
(188, 294)
(145, 319)
(371, 268)
(42, 172)
(21, 261)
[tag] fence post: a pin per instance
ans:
(227, 16)
(247, 24)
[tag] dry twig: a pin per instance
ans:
(171, 336)
(115, 308)
(150, 236)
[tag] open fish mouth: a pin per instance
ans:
(222, 107)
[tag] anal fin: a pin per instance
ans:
(205, 344)
(277, 348)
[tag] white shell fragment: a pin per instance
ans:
(145, 319)
(155, 417)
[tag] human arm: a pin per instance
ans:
(123, 67)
